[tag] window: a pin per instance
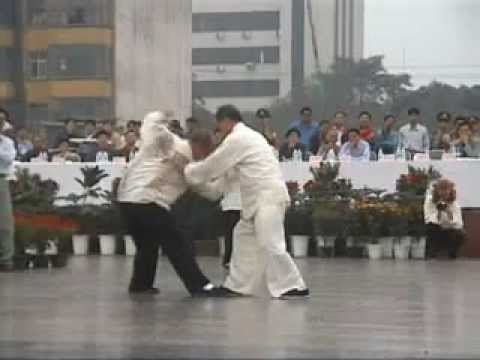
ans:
(77, 16)
(239, 21)
(38, 65)
(236, 88)
(214, 56)
(37, 11)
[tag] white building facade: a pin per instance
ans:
(251, 52)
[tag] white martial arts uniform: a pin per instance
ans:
(259, 237)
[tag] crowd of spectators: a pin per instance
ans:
(334, 139)
(459, 136)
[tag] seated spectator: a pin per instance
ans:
(443, 218)
(89, 129)
(69, 131)
(367, 132)
(64, 153)
(101, 151)
(387, 137)
(293, 144)
(340, 121)
(442, 137)
(134, 125)
(355, 149)
(22, 143)
(175, 127)
(39, 152)
(329, 150)
(465, 145)
(264, 119)
(475, 125)
(414, 137)
(130, 149)
(319, 139)
(307, 128)
(114, 137)
(6, 128)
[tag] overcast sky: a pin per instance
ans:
(432, 39)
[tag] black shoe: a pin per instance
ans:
(295, 294)
(217, 292)
(7, 268)
(149, 291)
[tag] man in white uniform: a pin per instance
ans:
(259, 238)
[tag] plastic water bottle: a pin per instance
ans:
(381, 156)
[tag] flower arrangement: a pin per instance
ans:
(417, 181)
(36, 230)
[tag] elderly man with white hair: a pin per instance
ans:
(153, 181)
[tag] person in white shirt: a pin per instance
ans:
(7, 245)
(355, 149)
(153, 181)
(414, 137)
(443, 218)
(259, 237)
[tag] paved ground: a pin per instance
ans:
(358, 309)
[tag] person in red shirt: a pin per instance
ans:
(367, 132)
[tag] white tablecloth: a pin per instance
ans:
(381, 175)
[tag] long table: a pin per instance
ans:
(381, 175)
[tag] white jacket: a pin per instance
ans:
(247, 152)
(156, 173)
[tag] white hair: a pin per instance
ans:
(155, 134)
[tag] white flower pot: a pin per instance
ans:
(299, 245)
(80, 244)
(418, 248)
(387, 247)
(401, 251)
(130, 249)
(107, 244)
(221, 246)
(325, 241)
(375, 251)
(406, 240)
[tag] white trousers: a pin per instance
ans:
(259, 252)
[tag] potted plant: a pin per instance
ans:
(86, 208)
(298, 223)
(36, 232)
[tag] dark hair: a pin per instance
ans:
(464, 123)
(228, 111)
(444, 115)
(293, 130)
(354, 130)
(413, 111)
(388, 116)
(340, 112)
(6, 113)
(306, 109)
(263, 114)
(460, 119)
(100, 133)
(365, 113)
(132, 122)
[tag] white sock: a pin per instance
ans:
(208, 287)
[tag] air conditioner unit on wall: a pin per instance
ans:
(221, 69)
(247, 35)
(251, 66)
(221, 36)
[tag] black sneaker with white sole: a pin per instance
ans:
(295, 294)
(217, 292)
